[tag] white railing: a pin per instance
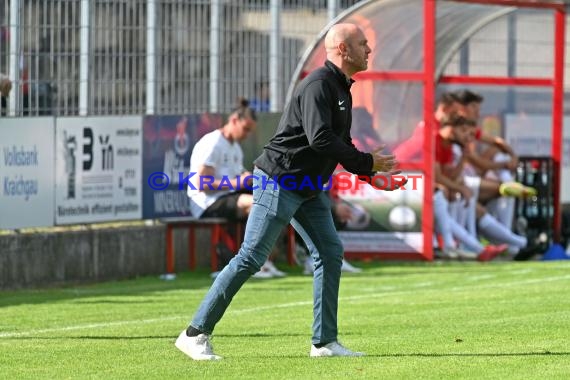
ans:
(126, 57)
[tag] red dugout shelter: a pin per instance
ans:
(422, 47)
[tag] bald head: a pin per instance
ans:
(339, 33)
(347, 48)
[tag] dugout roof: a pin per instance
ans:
(419, 49)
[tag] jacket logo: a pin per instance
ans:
(340, 102)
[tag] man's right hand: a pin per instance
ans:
(383, 162)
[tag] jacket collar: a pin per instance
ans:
(339, 74)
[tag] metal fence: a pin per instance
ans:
(94, 57)
(520, 44)
(121, 57)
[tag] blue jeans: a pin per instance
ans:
(273, 208)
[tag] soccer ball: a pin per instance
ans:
(402, 218)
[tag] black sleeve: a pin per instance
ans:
(317, 122)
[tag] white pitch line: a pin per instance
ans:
(521, 271)
(516, 283)
(269, 307)
(481, 277)
(86, 327)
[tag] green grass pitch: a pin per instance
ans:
(500, 320)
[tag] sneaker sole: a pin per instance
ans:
(200, 357)
(317, 353)
(354, 355)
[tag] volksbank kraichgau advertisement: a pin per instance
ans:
(26, 171)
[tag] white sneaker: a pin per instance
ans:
(346, 267)
(273, 269)
(449, 254)
(333, 349)
(464, 255)
(264, 272)
(197, 347)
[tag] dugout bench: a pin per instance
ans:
(215, 227)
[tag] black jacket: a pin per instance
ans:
(313, 135)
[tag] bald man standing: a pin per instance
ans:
(313, 136)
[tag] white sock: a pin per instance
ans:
(464, 237)
(453, 210)
(495, 231)
(492, 207)
(512, 250)
(442, 218)
(503, 174)
(473, 182)
(471, 216)
(462, 213)
(505, 210)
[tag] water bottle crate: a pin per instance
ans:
(538, 210)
